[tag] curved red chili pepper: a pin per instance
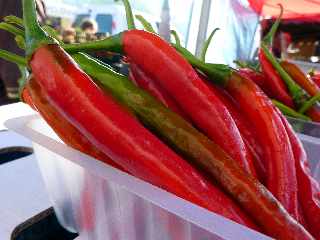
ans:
(64, 129)
(248, 134)
(182, 82)
(314, 113)
(308, 188)
(281, 172)
(300, 78)
(256, 77)
(307, 84)
(26, 98)
(146, 83)
(119, 135)
(274, 84)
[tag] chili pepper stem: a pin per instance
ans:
(206, 45)
(35, 36)
(129, 15)
(308, 104)
(176, 37)
(240, 64)
(220, 73)
(113, 43)
(146, 25)
(289, 111)
(268, 39)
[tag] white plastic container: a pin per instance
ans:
(102, 203)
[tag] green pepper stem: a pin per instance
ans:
(206, 45)
(289, 111)
(14, 58)
(93, 66)
(53, 33)
(219, 73)
(14, 20)
(146, 25)
(240, 64)
(129, 15)
(176, 37)
(268, 39)
(12, 29)
(113, 44)
(308, 104)
(35, 36)
(295, 90)
(116, 84)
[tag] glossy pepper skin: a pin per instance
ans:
(146, 83)
(274, 84)
(182, 82)
(64, 129)
(112, 128)
(300, 78)
(248, 134)
(314, 113)
(281, 172)
(199, 150)
(257, 77)
(308, 187)
(26, 98)
(73, 138)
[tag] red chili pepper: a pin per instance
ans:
(248, 134)
(277, 88)
(26, 98)
(64, 129)
(308, 188)
(307, 84)
(112, 129)
(272, 135)
(300, 78)
(314, 113)
(256, 77)
(274, 84)
(146, 83)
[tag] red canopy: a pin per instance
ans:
(293, 9)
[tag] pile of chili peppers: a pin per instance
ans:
(202, 131)
(295, 93)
